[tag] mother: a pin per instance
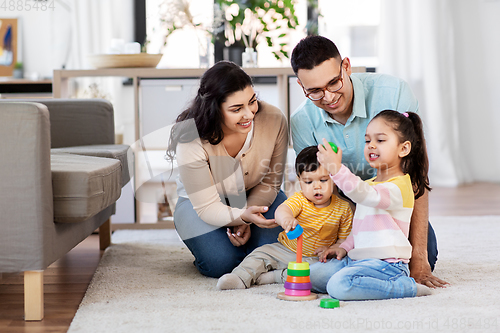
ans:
(231, 152)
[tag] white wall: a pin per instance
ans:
(79, 26)
(36, 40)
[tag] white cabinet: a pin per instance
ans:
(161, 101)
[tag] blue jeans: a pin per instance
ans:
(214, 254)
(369, 279)
(322, 272)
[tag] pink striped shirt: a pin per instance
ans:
(381, 222)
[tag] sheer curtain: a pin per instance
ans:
(84, 27)
(443, 49)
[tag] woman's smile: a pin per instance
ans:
(245, 124)
(238, 111)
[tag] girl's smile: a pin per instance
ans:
(383, 150)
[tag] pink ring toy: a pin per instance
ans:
(291, 292)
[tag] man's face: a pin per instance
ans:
(337, 104)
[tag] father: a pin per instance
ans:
(338, 107)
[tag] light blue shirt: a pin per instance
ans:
(373, 93)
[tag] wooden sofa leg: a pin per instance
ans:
(33, 295)
(105, 235)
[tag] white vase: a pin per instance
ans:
(249, 58)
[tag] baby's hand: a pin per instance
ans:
(330, 160)
(288, 223)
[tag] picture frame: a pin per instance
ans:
(8, 45)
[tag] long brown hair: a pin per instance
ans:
(216, 84)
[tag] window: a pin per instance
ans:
(353, 27)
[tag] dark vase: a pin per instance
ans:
(232, 53)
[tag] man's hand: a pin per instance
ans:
(239, 235)
(420, 270)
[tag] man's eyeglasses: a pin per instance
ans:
(335, 85)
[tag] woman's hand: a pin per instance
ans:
(330, 160)
(253, 214)
(239, 235)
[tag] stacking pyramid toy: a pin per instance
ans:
(298, 282)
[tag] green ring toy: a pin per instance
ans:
(329, 303)
(300, 272)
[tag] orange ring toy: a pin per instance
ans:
(298, 279)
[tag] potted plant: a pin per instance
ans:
(254, 21)
(18, 70)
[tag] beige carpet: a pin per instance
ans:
(146, 282)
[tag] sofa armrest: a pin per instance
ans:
(80, 122)
(26, 201)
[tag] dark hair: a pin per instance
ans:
(307, 160)
(216, 84)
(416, 163)
(311, 51)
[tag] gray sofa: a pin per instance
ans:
(60, 176)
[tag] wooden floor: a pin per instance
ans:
(67, 279)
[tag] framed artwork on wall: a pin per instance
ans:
(8, 46)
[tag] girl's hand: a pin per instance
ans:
(239, 235)
(334, 251)
(330, 160)
(253, 214)
(288, 223)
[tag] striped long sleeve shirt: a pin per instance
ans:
(382, 219)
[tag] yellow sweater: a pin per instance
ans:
(322, 226)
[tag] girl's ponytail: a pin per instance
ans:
(416, 164)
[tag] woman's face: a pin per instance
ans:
(238, 111)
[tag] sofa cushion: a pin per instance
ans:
(118, 152)
(83, 185)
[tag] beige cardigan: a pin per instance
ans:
(205, 169)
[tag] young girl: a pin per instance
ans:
(378, 248)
